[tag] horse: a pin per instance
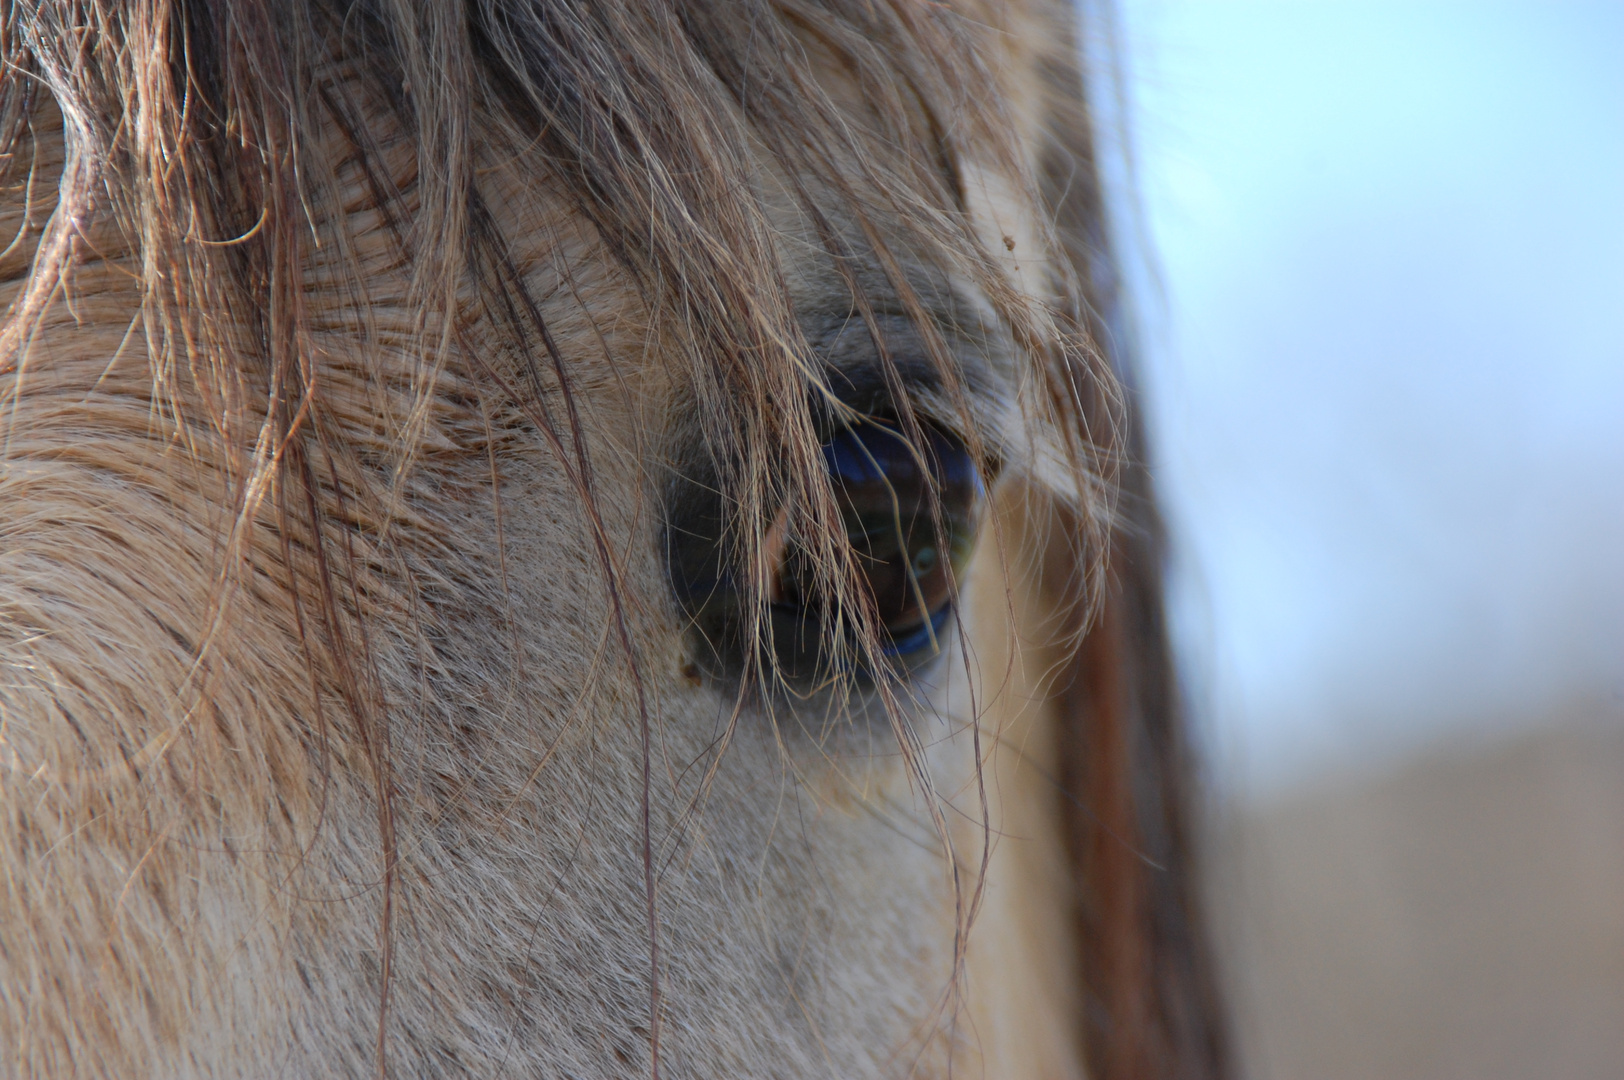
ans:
(578, 538)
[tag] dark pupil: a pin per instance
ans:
(909, 544)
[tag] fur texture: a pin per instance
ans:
(347, 723)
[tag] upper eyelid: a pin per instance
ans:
(857, 377)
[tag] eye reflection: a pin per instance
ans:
(909, 513)
(898, 531)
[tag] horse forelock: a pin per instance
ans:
(274, 177)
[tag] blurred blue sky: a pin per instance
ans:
(1385, 324)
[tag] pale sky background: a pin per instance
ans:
(1386, 364)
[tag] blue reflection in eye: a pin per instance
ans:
(903, 506)
(909, 511)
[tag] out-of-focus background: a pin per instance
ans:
(1379, 260)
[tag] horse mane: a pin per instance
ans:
(1152, 1003)
(222, 149)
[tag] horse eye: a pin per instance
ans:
(909, 512)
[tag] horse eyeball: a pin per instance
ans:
(904, 507)
(909, 510)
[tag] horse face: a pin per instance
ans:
(358, 713)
